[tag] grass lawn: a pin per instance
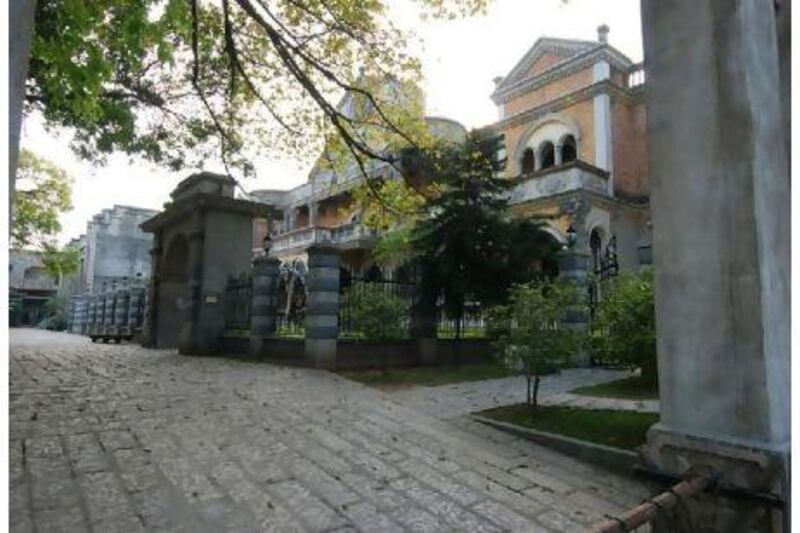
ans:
(427, 375)
(632, 388)
(621, 429)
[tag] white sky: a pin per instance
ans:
(460, 58)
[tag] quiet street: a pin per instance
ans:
(120, 438)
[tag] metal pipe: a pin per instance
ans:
(648, 510)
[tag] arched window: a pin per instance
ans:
(547, 154)
(527, 161)
(569, 149)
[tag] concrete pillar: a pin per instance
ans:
(720, 208)
(21, 21)
(322, 307)
(573, 266)
(312, 214)
(264, 306)
(192, 337)
(121, 302)
(557, 154)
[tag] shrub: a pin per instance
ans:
(530, 331)
(623, 327)
(375, 314)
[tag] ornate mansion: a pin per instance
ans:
(572, 116)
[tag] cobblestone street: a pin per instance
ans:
(118, 438)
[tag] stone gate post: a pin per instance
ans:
(573, 266)
(322, 306)
(264, 303)
(720, 207)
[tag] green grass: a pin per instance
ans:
(633, 388)
(620, 429)
(428, 375)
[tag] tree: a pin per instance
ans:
(623, 327)
(176, 81)
(530, 331)
(469, 246)
(44, 193)
(59, 262)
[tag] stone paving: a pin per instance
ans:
(119, 438)
(447, 401)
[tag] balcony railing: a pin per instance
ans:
(304, 237)
(575, 175)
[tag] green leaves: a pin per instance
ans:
(268, 76)
(623, 326)
(43, 193)
(468, 244)
(529, 328)
(375, 314)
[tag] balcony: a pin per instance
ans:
(572, 176)
(347, 236)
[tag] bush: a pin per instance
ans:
(624, 327)
(530, 332)
(376, 315)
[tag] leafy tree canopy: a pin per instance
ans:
(59, 261)
(43, 193)
(469, 245)
(181, 81)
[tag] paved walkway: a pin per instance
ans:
(447, 401)
(117, 438)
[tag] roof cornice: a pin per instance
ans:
(570, 65)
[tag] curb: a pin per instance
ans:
(615, 459)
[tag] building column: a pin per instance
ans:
(322, 307)
(263, 308)
(603, 126)
(720, 208)
(557, 156)
(573, 266)
(312, 214)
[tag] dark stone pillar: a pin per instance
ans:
(424, 320)
(322, 307)
(150, 318)
(190, 341)
(263, 309)
(573, 266)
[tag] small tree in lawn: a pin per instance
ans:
(530, 329)
(624, 327)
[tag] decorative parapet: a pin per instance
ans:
(572, 176)
(305, 237)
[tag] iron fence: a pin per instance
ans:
(471, 325)
(238, 296)
(353, 288)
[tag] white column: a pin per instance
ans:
(603, 130)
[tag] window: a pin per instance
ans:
(527, 161)
(569, 149)
(547, 154)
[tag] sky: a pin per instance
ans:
(459, 59)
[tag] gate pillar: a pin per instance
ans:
(322, 307)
